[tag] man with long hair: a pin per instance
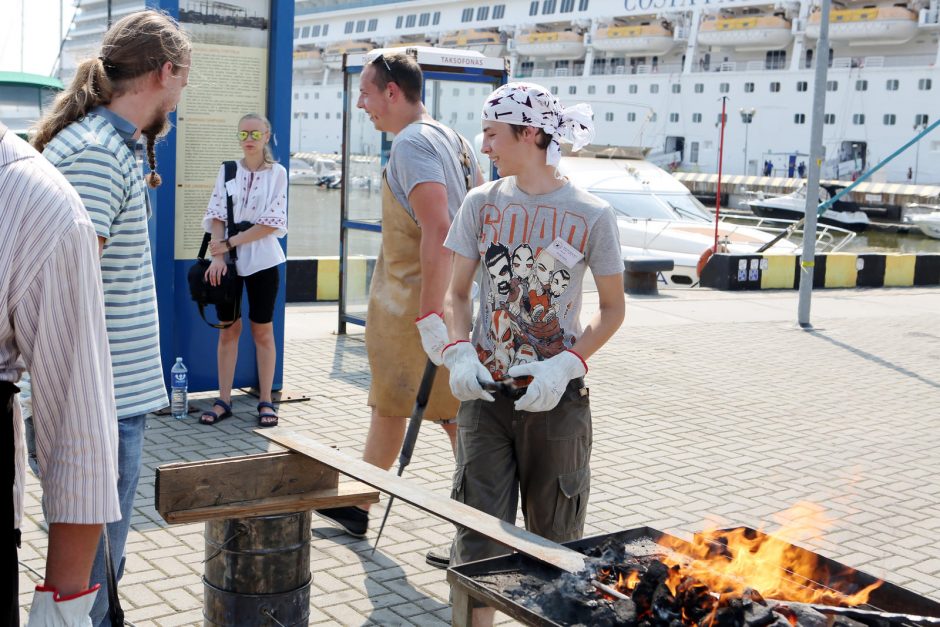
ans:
(90, 135)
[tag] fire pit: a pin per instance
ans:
(657, 579)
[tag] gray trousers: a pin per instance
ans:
(503, 454)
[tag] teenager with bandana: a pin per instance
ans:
(534, 446)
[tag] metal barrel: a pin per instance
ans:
(258, 571)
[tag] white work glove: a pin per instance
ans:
(433, 336)
(50, 610)
(549, 380)
(466, 372)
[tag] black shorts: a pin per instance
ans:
(262, 293)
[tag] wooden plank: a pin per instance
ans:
(195, 485)
(442, 506)
(352, 493)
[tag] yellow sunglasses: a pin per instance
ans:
(255, 135)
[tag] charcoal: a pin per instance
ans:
(624, 611)
(757, 615)
(845, 621)
(730, 613)
(800, 614)
(694, 599)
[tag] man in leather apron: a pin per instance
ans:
(429, 171)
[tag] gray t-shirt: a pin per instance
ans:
(422, 153)
(530, 298)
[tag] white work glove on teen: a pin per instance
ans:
(50, 610)
(433, 336)
(466, 371)
(549, 380)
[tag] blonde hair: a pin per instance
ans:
(134, 46)
(268, 155)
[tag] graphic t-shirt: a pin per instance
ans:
(535, 250)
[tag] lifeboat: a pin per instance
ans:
(310, 60)
(752, 32)
(483, 41)
(867, 26)
(637, 39)
(333, 55)
(552, 45)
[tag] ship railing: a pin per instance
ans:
(829, 239)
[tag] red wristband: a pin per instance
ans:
(581, 358)
(59, 598)
(444, 350)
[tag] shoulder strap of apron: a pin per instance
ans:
(465, 164)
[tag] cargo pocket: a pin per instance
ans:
(457, 491)
(574, 488)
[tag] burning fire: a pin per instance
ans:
(728, 564)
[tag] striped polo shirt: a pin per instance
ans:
(97, 161)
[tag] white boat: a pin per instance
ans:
(486, 42)
(924, 217)
(658, 217)
(315, 170)
(792, 206)
(644, 38)
(868, 26)
(750, 32)
(555, 45)
(333, 54)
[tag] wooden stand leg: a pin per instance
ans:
(461, 609)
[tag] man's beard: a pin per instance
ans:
(157, 128)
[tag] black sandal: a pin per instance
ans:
(210, 417)
(264, 418)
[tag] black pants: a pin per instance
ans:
(262, 294)
(7, 391)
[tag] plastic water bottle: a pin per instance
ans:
(179, 403)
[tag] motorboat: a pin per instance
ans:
(315, 171)
(792, 206)
(924, 217)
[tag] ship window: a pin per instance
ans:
(861, 85)
(583, 5)
(554, 89)
(631, 117)
(306, 96)
(829, 118)
(349, 27)
(921, 120)
(799, 118)
(858, 119)
(567, 6)
(609, 117)
(498, 11)
(339, 94)
(924, 84)
(673, 117)
(890, 119)
(424, 20)
(327, 115)
(483, 13)
(410, 21)
(721, 118)
(326, 29)
(775, 59)
(316, 116)
(592, 89)
(696, 118)
(296, 96)
(699, 88)
(316, 95)
(611, 89)
(399, 21)
(534, 7)
(572, 89)
(315, 31)
(472, 91)
(654, 88)
(748, 88)
(892, 84)
(724, 88)
(373, 24)
(467, 15)
(456, 92)
(360, 26)
(470, 115)
(632, 89)
(437, 18)
(832, 85)
(548, 6)
(802, 85)
(676, 88)
(774, 87)
(653, 117)
(693, 152)
(297, 31)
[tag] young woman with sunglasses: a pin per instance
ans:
(259, 193)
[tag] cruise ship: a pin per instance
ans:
(654, 71)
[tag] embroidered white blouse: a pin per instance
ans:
(260, 198)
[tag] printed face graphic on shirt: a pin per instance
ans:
(497, 265)
(522, 261)
(560, 280)
(544, 266)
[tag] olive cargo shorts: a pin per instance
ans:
(544, 457)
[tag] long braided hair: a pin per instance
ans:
(136, 45)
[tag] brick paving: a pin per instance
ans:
(707, 406)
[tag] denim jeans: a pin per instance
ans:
(130, 451)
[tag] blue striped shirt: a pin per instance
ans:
(95, 159)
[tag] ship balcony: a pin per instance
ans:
(868, 26)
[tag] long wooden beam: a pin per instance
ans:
(444, 507)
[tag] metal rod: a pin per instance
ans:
(721, 153)
(608, 590)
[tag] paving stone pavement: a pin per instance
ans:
(707, 406)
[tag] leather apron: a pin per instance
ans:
(396, 357)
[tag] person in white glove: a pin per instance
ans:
(524, 424)
(50, 609)
(433, 336)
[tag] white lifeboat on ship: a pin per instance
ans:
(333, 54)
(752, 32)
(635, 39)
(309, 60)
(486, 42)
(551, 44)
(867, 26)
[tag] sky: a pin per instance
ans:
(37, 31)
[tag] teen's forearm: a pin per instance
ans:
(70, 554)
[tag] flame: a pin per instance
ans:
(768, 564)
